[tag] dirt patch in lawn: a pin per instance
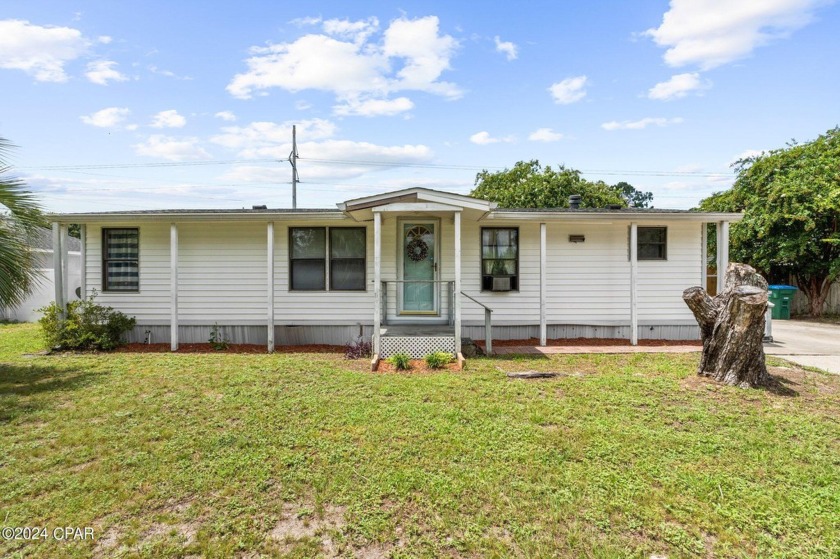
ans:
(231, 348)
(590, 342)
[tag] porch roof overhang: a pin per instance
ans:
(417, 201)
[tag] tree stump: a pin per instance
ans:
(732, 328)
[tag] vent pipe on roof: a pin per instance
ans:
(574, 201)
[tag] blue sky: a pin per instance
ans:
(140, 105)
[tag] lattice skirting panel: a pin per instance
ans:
(417, 347)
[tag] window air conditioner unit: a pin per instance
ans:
(501, 284)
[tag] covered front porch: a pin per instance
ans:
(417, 265)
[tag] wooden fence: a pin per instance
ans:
(799, 305)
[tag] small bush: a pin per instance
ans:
(438, 359)
(358, 349)
(402, 361)
(218, 340)
(86, 326)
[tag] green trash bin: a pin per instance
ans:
(781, 296)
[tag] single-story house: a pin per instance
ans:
(43, 293)
(416, 270)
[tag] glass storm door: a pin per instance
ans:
(419, 267)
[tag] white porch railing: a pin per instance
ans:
(449, 300)
(488, 324)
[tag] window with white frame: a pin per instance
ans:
(121, 259)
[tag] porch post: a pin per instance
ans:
(65, 262)
(543, 279)
(377, 279)
(722, 253)
(83, 262)
(58, 279)
(270, 281)
(634, 273)
(704, 255)
(173, 285)
(458, 283)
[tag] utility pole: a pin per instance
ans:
(293, 157)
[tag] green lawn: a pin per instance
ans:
(307, 455)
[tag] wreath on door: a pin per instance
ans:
(417, 249)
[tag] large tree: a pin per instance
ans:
(530, 185)
(791, 203)
(20, 217)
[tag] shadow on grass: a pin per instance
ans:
(19, 383)
(776, 385)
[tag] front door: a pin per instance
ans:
(419, 267)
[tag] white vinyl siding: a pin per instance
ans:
(222, 273)
(150, 304)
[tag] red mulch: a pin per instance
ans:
(417, 366)
(232, 348)
(590, 342)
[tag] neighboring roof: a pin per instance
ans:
(42, 239)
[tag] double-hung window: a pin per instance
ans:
(499, 258)
(121, 259)
(319, 253)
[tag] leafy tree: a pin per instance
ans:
(20, 217)
(791, 203)
(530, 185)
(636, 198)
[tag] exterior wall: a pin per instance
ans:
(151, 304)
(345, 308)
(223, 273)
(44, 292)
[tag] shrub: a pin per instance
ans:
(85, 326)
(358, 349)
(438, 359)
(218, 340)
(402, 361)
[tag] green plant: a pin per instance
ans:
(402, 361)
(438, 359)
(218, 340)
(85, 325)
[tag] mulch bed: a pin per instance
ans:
(232, 348)
(574, 342)
(417, 366)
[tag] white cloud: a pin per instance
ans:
(168, 119)
(709, 33)
(640, 124)
(374, 107)
(107, 118)
(167, 73)
(483, 138)
(226, 116)
(302, 105)
(312, 166)
(102, 71)
(545, 135)
(677, 87)
(105, 39)
(172, 149)
(357, 31)
(746, 154)
(507, 48)
(39, 51)
(569, 90)
(410, 55)
(261, 138)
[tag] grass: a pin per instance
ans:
(222, 455)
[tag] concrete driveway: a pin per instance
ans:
(806, 343)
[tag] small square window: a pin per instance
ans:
(652, 243)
